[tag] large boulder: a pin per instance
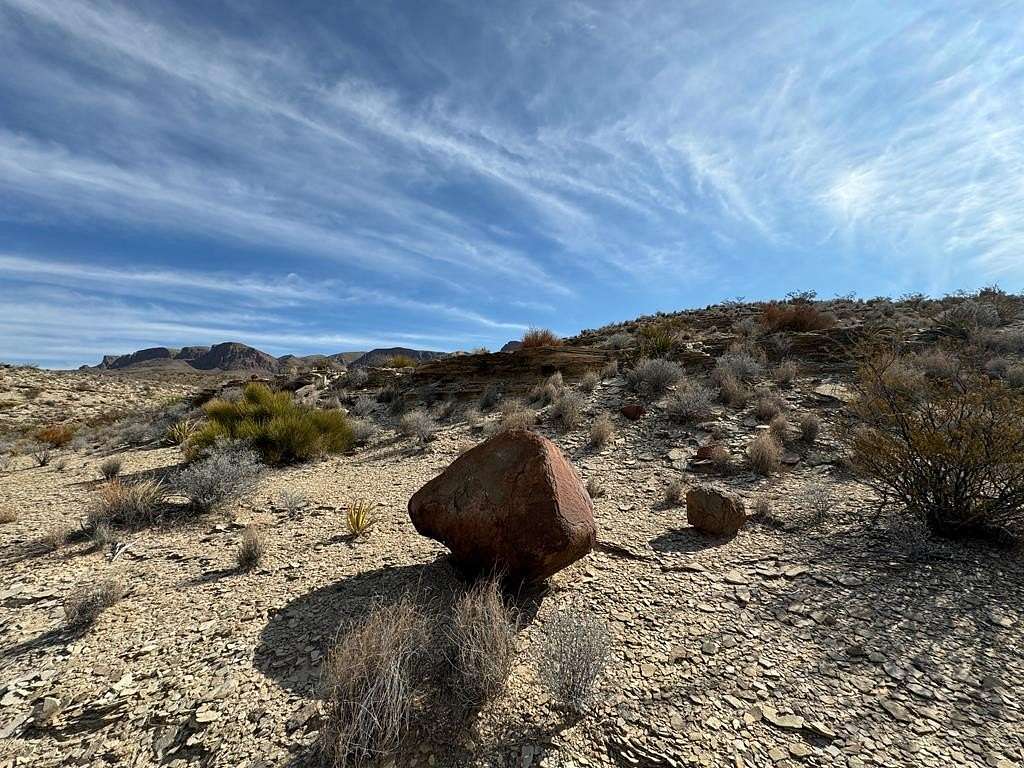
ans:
(713, 511)
(512, 504)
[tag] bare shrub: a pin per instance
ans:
(42, 455)
(364, 406)
(690, 403)
(544, 393)
(721, 459)
(573, 655)
(214, 481)
(483, 642)
(129, 503)
(363, 430)
(359, 517)
(540, 337)
(85, 603)
(602, 431)
(111, 468)
(555, 380)
(590, 381)
(742, 364)
(418, 424)
(768, 405)
(251, 550)
(764, 454)
(937, 363)
(595, 488)
(732, 391)
(674, 493)
(951, 454)
(568, 410)
(809, 425)
(371, 682)
(779, 429)
(489, 397)
(610, 370)
(653, 376)
(786, 372)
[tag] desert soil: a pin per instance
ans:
(817, 643)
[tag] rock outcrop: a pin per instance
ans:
(512, 504)
(714, 511)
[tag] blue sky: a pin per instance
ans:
(318, 177)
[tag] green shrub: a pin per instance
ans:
(278, 429)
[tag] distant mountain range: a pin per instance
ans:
(234, 356)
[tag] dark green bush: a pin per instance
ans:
(278, 429)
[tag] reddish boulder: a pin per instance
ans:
(511, 504)
(634, 412)
(715, 512)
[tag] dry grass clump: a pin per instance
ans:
(573, 655)
(55, 537)
(732, 391)
(291, 501)
(742, 363)
(483, 642)
(937, 363)
(181, 432)
(595, 488)
(56, 435)
(619, 341)
(590, 381)
(515, 415)
(675, 491)
(370, 682)
(809, 425)
(690, 403)
(602, 431)
(489, 397)
(364, 406)
(129, 503)
(568, 410)
(768, 406)
(111, 468)
(779, 429)
(540, 337)
(653, 376)
(42, 455)
(764, 454)
(251, 550)
(721, 459)
(214, 481)
(951, 453)
(398, 361)
(277, 428)
(786, 372)
(796, 316)
(418, 424)
(544, 393)
(363, 430)
(610, 370)
(85, 603)
(359, 517)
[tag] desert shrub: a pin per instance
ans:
(937, 363)
(764, 454)
(278, 429)
(779, 429)
(111, 468)
(997, 367)
(732, 391)
(555, 380)
(398, 361)
(8, 515)
(418, 424)
(55, 537)
(741, 364)
(690, 403)
(589, 381)
(1009, 340)
(483, 642)
(42, 455)
(656, 341)
(951, 455)
(489, 397)
(653, 376)
(357, 378)
(6, 460)
(251, 550)
(568, 410)
(364, 406)
(101, 535)
(809, 425)
(786, 372)
(56, 435)
(543, 393)
(371, 681)
(359, 517)
(610, 370)
(964, 319)
(768, 405)
(85, 603)
(674, 493)
(363, 430)
(223, 475)
(540, 337)
(472, 416)
(129, 503)
(291, 501)
(619, 341)
(796, 316)
(1014, 377)
(515, 415)
(181, 432)
(595, 488)
(720, 458)
(602, 431)
(573, 655)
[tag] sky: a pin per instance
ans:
(317, 177)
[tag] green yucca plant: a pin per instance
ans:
(359, 517)
(278, 429)
(180, 433)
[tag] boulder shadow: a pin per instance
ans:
(687, 541)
